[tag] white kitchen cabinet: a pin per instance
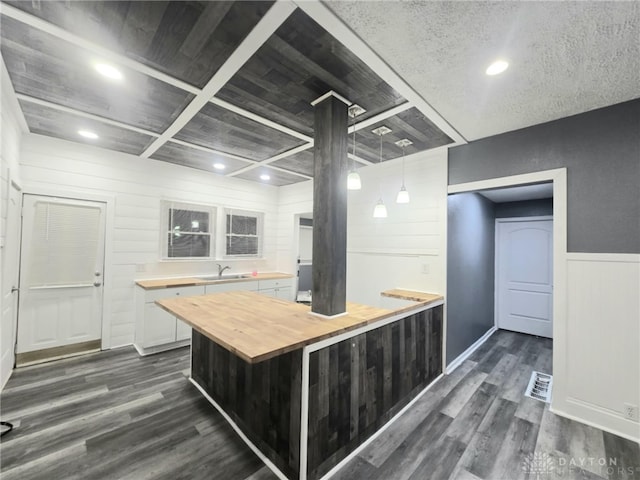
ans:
(156, 329)
(159, 326)
(277, 288)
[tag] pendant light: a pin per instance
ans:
(403, 194)
(353, 179)
(380, 210)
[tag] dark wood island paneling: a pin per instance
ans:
(263, 399)
(359, 384)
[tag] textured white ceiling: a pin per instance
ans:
(565, 57)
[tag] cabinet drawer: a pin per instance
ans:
(153, 295)
(279, 282)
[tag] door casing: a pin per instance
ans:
(109, 200)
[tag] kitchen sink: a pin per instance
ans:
(224, 277)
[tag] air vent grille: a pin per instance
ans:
(540, 387)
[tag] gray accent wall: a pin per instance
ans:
(470, 270)
(601, 151)
(525, 208)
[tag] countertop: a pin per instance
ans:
(192, 281)
(256, 327)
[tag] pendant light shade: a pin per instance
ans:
(380, 210)
(403, 194)
(353, 179)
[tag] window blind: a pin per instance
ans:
(64, 246)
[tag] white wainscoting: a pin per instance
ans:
(602, 342)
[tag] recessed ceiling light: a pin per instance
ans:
(219, 166)
(497, 67)
(108, 71)
(265, 177)
(88, 134)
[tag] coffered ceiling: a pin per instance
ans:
(211, 82)
(203, 83)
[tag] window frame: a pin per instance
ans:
(166, 229)
(259, 216)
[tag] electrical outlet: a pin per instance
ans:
(631, 411)
(425, 268)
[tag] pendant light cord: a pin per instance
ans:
(354, 144)
(403, 166)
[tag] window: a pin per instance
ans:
(243, 233)
(187, 230)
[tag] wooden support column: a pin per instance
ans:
(330, 205)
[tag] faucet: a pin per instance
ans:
(222, 269)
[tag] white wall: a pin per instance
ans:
(137, 187)
(602, 348)
(11, 130)
(393, 252)
(383, 253)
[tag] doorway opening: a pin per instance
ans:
(460, 347)
(305, 258)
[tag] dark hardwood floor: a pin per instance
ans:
(115, 415)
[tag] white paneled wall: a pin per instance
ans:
(603, 341)
(408, 248)
(404, 250)
(137, 187)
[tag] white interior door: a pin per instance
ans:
(9, 291)
(524, 273)
(62, 264)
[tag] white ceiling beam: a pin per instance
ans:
(267, 25)
(210, 150)
(90, 116)
(120, 60)
(381, 116)
(275, 158)
(259, 119)
(288, 172)
(319, 12)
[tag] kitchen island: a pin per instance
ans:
(304, 391)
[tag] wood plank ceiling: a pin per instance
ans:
(203, 83)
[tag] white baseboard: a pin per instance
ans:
(5, 380)
(364, 444)
(143, 352)
(240, 433)
(467, 353)
(600, 418)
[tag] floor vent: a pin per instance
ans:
(540, 387)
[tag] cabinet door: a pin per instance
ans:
(286, 293)
(269, 292)
(159, 326)
(183, 330)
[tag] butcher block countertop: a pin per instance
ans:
(192, 281)
(256, 327)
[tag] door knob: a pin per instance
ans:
(96, 284)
